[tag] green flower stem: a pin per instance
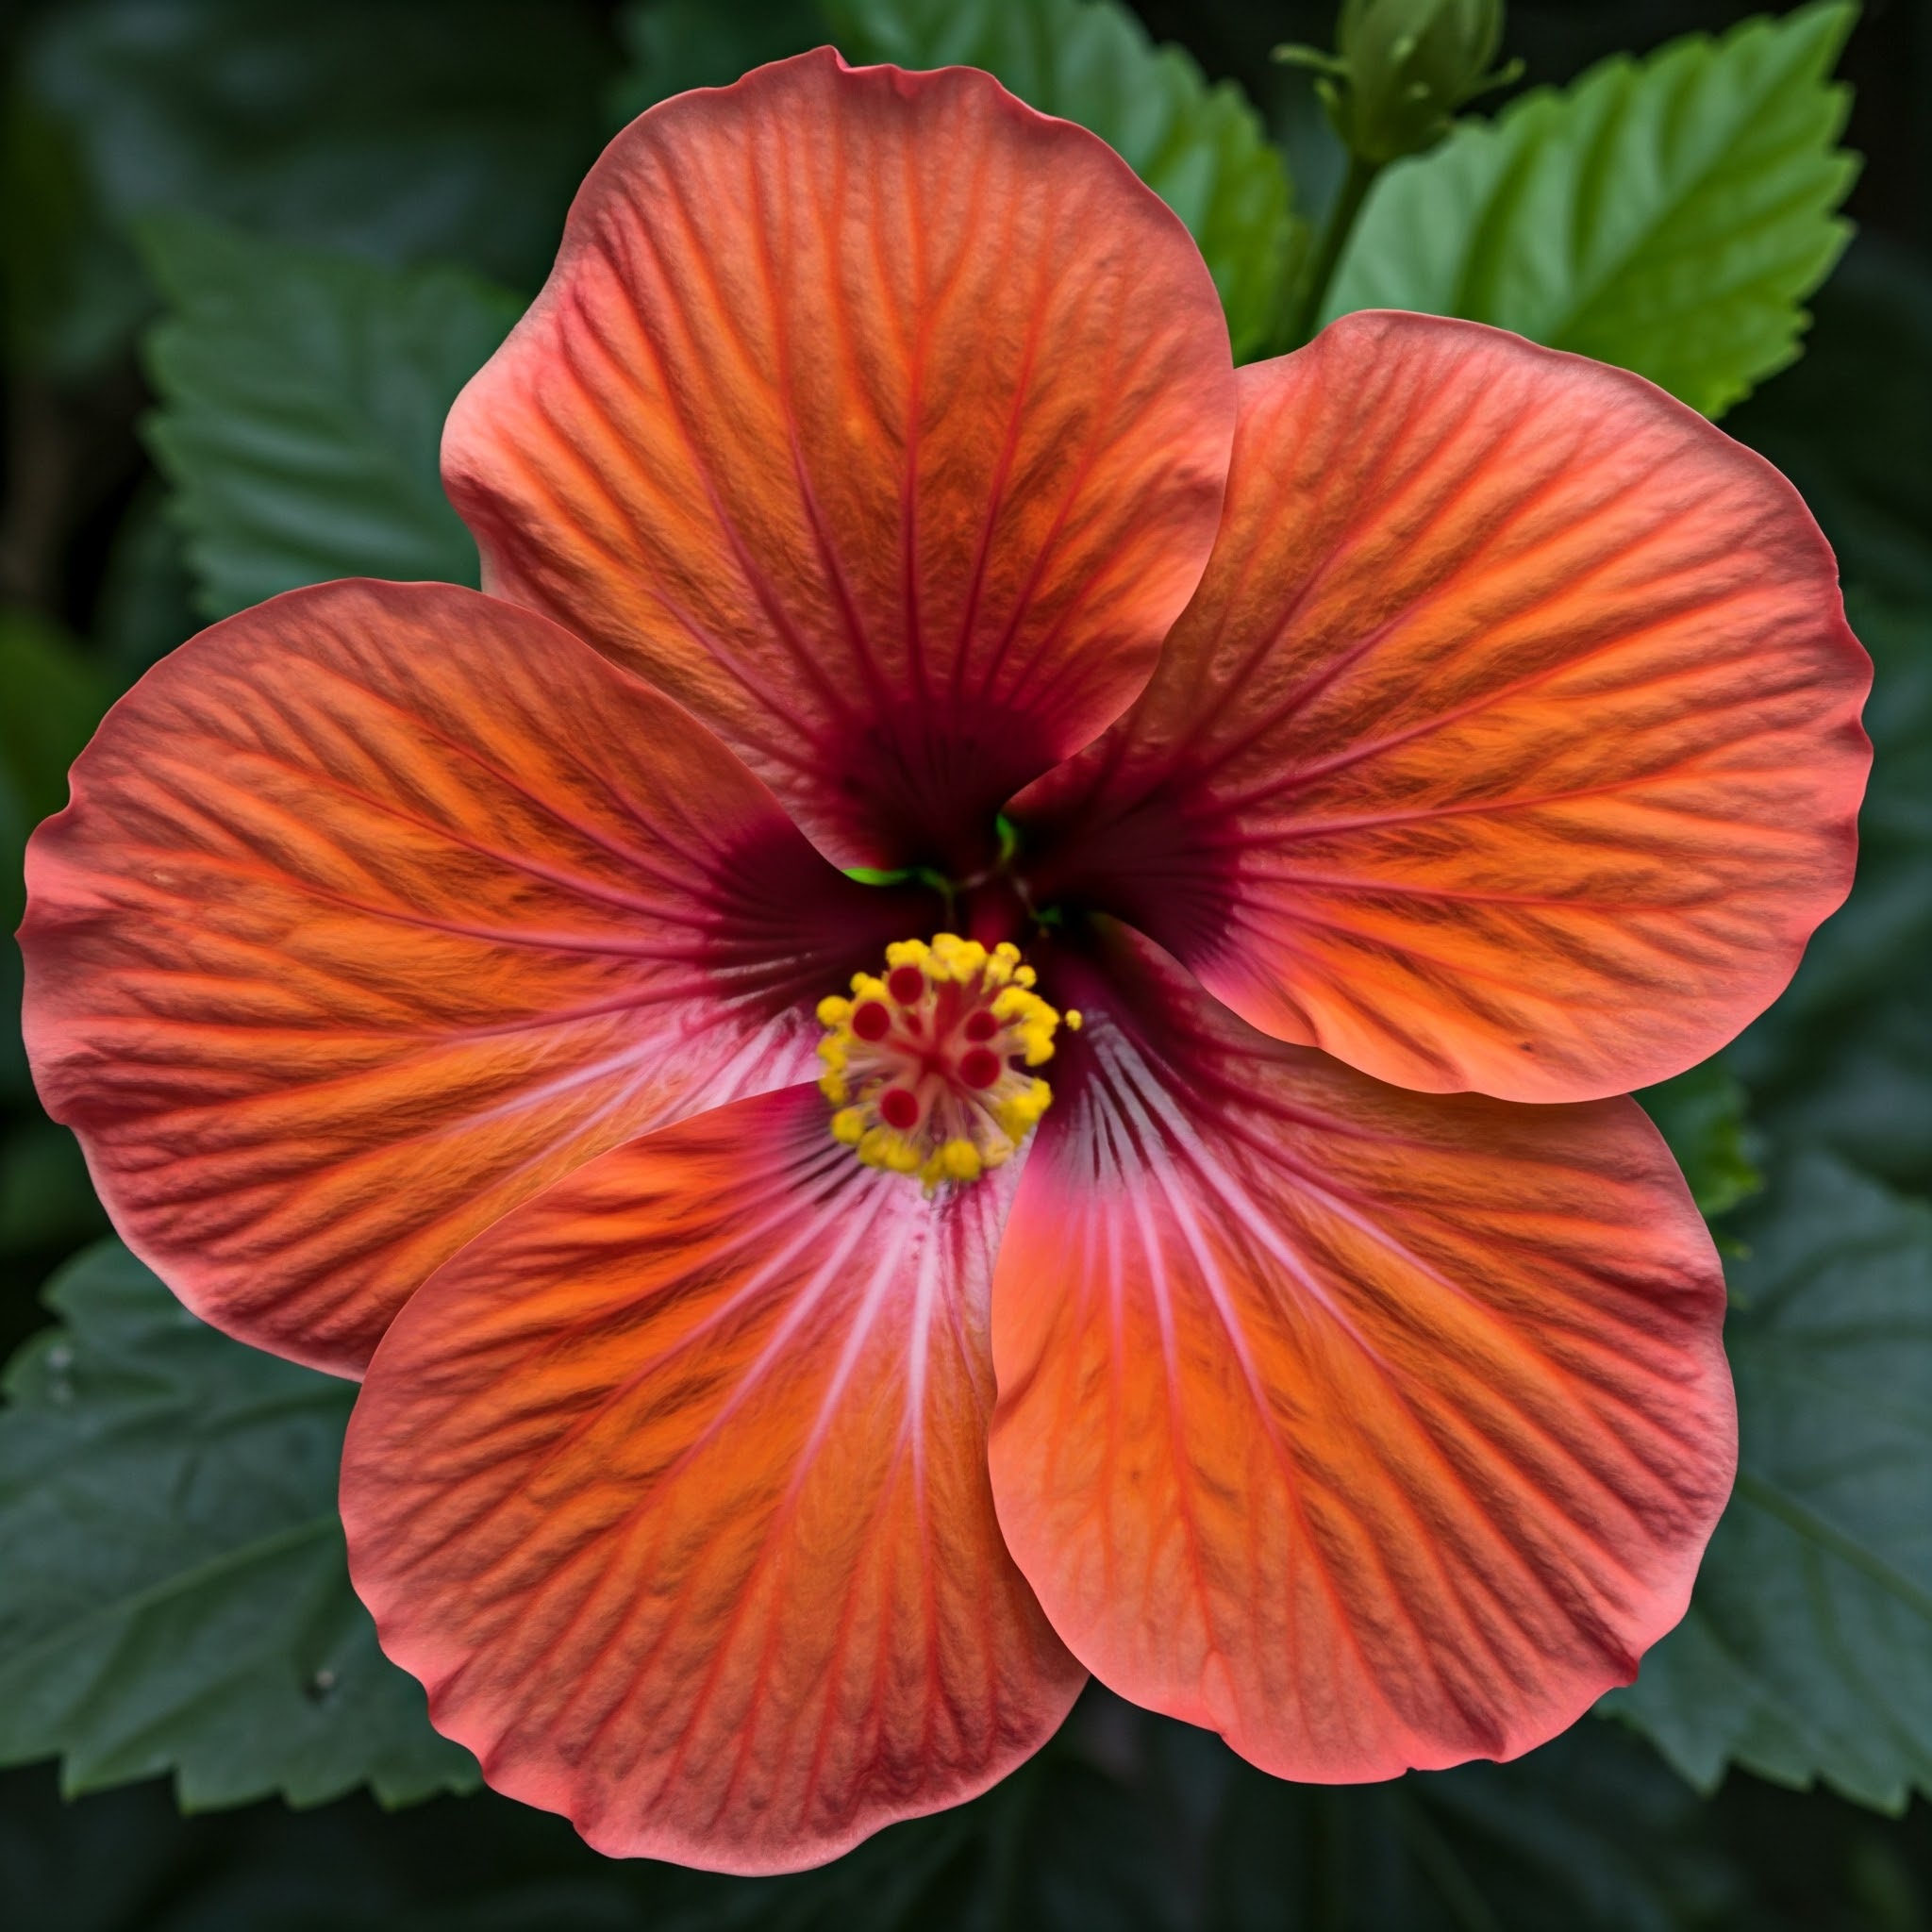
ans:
(1313, 286)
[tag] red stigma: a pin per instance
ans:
(906, 984)
(898, 1108)
(980, 1026)
(979, 1068)
(872, 1021)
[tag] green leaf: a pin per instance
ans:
(176, 1595)
(1668, 214)
(303, 397)
(1807, 1650)
(1700, 1114)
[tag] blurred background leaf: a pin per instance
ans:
(1668, 214)
(302, 404)
(176, 1596)
(451, 129)
(1702, 1113)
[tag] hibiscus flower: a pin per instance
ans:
(630, 1017)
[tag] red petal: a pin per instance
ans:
(880, 420)
(379, 907)
(1512, 741)
(672, 1490)
(1373, 1429)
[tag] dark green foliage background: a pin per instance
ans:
(248, 252)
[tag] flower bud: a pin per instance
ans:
(1402, 67)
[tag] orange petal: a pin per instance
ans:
(880, 420)
(1512, 739)
(378, 909)
(671, 1488)
(1372, 1429)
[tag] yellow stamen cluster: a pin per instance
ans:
(928, 1065)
